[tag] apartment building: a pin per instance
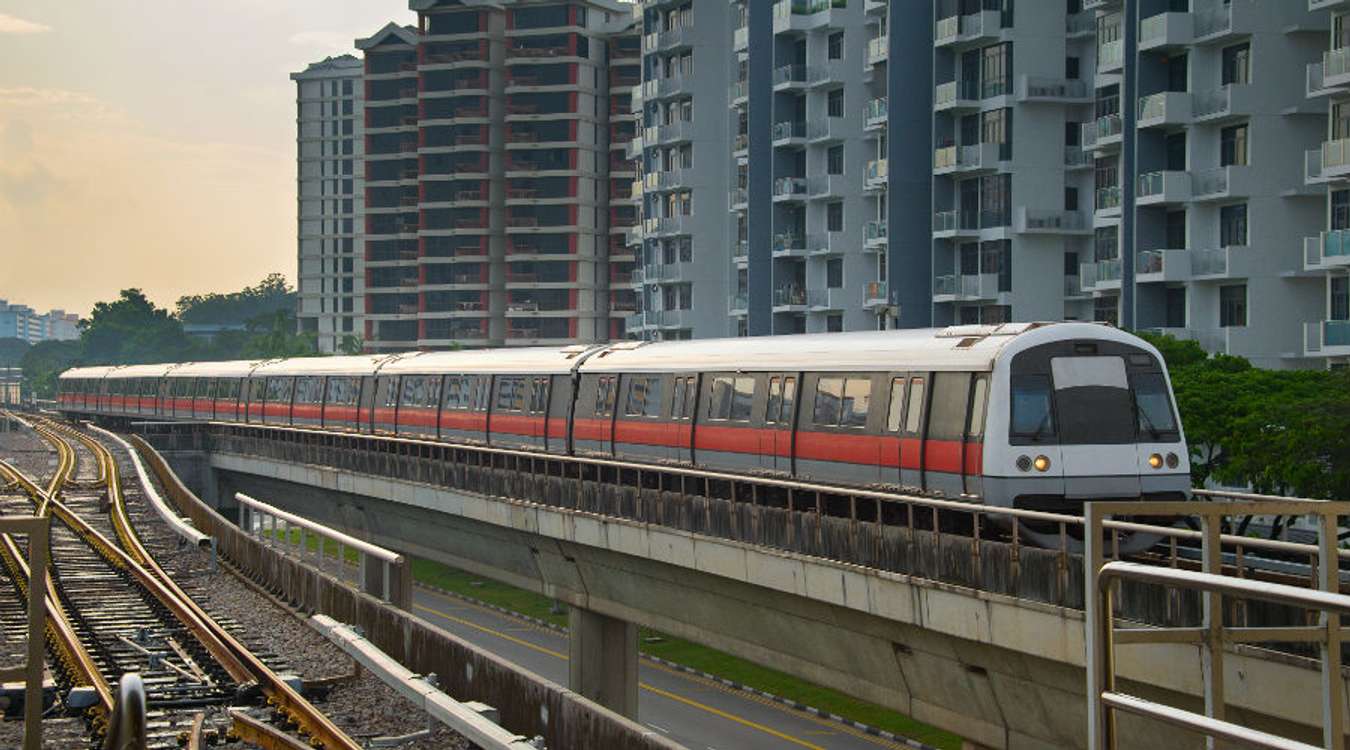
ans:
(1326, 337)
(330, 195)
(495, 185)
(26, 324)
(764, 159)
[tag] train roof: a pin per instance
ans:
(956, 348)
(87, 373)
(237, 368)
(360, 364)
(525, 360)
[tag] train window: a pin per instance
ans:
(979, 396)
(605, 396)
(773, 409)
(342, 391)
(148, 387)
(539, 396)
(459, 391)
(386, 392)
(731, 398)
(644, 396)
(1153, 405)
(257, 388)
(677, 406)
(789, 400)
(951, 398)
(420, 391)
(895, 415)
(511, 394)
(308, 390)
(279, 390)
(914, 406)
(842, 402)
(1032, 415)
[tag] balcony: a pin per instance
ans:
(634, 148)
(1049, 221)
(1163, 188)
(826, 300)
(874, 234)
(826, 244)
(668, 179)
(980, 157)
(679, 36)
(1335, 159)
(1108, 201)
(1152, 266)
(789, 298)
(957, 95)
(1327, 250)
(739, 199)
(826, 129)
(824, 75)
(1166, 31)
(956, 223)
(826, 186)
(739, 92)
(1336, 68)
(876, 295)
(668, 226)
(1110, 56)
(876, 175)
(1233, 100)
(663, 87)
(1164, 109)
(1214, 22)
(878, 49)
(738, 304)
(966, 287)
(1102, 133)
(789, 133)
(1075, 157)
(1102, 275)
(740, 38)
(974, 27)
(874, 116)
(1052, 90)
(1215, 264)
(1326, 338)
(1222, 183)
(789, 245)
(789, 77)
(789, 189)
(672, 132)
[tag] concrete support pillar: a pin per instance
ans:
(604, 660)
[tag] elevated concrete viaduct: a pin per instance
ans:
(976, 637)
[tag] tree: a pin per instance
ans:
(45, 361)
(132, 330)
(12, 351)
(269, 296)
(351, 344)
(273, 336)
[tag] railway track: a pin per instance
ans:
(115, 611)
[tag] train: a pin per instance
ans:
(1040, 416)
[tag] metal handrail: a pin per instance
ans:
(337, 536)
(1212, 635)
(126, 728)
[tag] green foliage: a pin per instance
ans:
(45, 361)
(351, 345)
(12, 351)
(270, 296)
(274, 336)
(1279, 431)
(132, 330)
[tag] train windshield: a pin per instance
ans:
(1091, 401)
(1154, 406)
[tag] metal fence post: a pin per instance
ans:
(37, 640)
(1211, 653)
(1097, 617)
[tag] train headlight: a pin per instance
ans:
(1042, 463)
(1156, 461)
(1024, 462)
(1172, 460)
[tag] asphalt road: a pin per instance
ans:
(696, 712)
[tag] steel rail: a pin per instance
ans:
(79, 664)
(238, 661)
(262, 735)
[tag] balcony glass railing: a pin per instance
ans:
(1336, 243)
(876, 110)
(791, 295)
(876, 293)
(1149, 261)
(1209, 262)
(789, 74)
(1108, 126)
(876, 170)
(874, 230)
(1210, 182)
(878, 49)
(1336, 62)
(789, 186)
(783, 131)
(1336, 332)
(1108, 197)
(1336, 154)
(1110, 55)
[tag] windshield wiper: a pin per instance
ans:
(1154, 432)
(1041, 428)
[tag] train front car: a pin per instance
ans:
(1087, 414)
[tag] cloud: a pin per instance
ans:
(27, 186)
(12, 25)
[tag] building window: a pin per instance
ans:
(1106, 310)
(834, 217)
(1237, 64)
(996, 200)
(1233, 146)
(835, 48)
(996, 127)
(834, 323)
(996, 259)
(835, 103)
(834, 273)
(1105, 245)
(1232, 305)
(346, 88)
(1340, 209)
(1233, 225)
(834, 160)
(996, 69)
(1340, 297)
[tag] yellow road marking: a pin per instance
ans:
(649, 688)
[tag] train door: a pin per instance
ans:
(257, 392)
(944, 440)
(365, 409)
(593, 423)
(906, 418)
(973, 452)
(683, 407)
(538, 412)
(775, 438)
(559, 403)
(385, 409)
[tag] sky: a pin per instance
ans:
(151, 143)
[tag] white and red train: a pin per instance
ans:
(1031, 415)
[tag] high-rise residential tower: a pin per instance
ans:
(329, 142)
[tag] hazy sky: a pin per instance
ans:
(151, 143)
